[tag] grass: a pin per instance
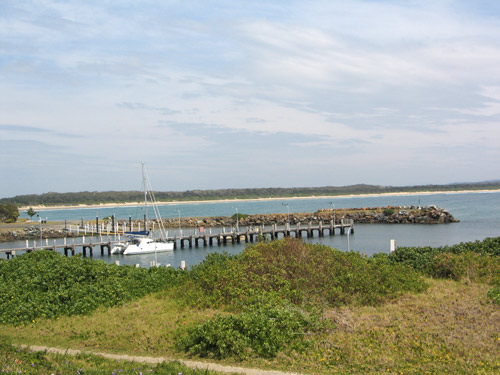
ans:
(450, 329)
(450, 326)
(146, 326)
(14, 360)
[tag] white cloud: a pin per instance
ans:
(367, 79)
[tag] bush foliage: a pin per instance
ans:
(239, 216)
(478, 261)
(494, 293)
(45, 284)
(388, 211)
(292, 272)
(263, 331)
(8, 213)
(277, 291)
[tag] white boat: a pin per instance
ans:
(147, 244)
(119, 247)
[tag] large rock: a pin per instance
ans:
(384, 215)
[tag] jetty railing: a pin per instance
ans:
(200, 237)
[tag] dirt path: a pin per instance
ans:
(155, 360)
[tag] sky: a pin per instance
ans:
(237, 94)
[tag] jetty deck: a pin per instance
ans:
(104, 242)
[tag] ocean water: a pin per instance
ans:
(479, 215)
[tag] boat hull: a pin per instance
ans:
(119, 248)
(147, 246)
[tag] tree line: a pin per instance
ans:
(94, 197)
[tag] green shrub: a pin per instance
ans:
(264, 332)
(210, 281)
(388, 211)
(420, 257)
(45, 284)
(8, 213)
(292, 272)
(239, 216)
(478, 261)
(473, 266)
(494, 294)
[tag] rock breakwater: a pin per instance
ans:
(380, 215)
(33, 233)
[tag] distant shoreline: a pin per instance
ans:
(133, 204)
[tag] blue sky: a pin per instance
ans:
(221, 94)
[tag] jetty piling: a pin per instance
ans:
(193, 239)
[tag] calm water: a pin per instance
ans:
(479, 215)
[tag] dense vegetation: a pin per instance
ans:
(284, 303)
(276, 292)
(261, 331)
(45, 284)
(8, 213)
(477, 261)
(88, 197)
(282, 281)
(299, 274)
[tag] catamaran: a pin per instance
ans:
(144, 242)
(145, 245)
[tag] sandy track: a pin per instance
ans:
(156, 360)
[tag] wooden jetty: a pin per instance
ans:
(221, 236)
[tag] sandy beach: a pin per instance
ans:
(132, 204)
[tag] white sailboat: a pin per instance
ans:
(119, 247)
(145, 244)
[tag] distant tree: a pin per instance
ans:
(388, 211)
(8, 213)
(31, 212)
(239, 216)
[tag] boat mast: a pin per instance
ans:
(149, 194)
(145, 197)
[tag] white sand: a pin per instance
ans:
(132, 204)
